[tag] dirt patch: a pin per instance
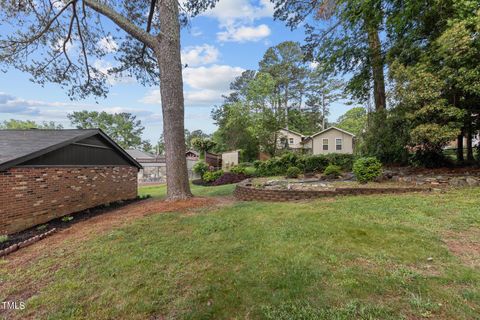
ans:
(465, 245)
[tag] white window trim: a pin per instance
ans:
(290, 140)
(336, 144)
(323, 144)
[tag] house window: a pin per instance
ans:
(325, 144)
(290, 140)
(338, 144)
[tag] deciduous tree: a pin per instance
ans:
(123, 128)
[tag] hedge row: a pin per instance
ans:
(306, 163)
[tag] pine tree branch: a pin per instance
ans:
(122, 22)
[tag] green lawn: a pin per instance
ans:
(160, 191)
(345, 258)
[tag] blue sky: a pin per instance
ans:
(217, 46)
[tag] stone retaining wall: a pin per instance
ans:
(249, 193)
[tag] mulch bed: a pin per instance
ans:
(436, 171)
(61, 223)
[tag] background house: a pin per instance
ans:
(331, 140)
(291, 138)
(46, 174)
(155, 167)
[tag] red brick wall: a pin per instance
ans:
(31, 196)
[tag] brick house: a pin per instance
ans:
(46, 174)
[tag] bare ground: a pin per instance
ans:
(465, 245)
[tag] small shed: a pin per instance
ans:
(230, 159)
(46, 174)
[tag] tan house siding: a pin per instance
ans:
(332, 135)
(294, 140)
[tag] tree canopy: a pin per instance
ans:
(29, 124)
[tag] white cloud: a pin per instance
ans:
(207, 85)
(196, 98)
(203, 97)
(244, 33)
(103, 66)
(200, 55)
(215, 77)
(236, 19)
(108, 44)
(231, 11)
(196, 32)
(45, 110)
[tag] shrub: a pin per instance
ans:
(315, 163)
(270, 167)
(293, 172)
(42, 227)
(343, 160)
(200, 168)
(237, 170)
(250, 171)
(211, 176)
(67, 218)
(287, 160)
(228, 178)
(3, 238)
(367, 169)
(333, 170)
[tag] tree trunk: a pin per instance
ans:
(167, 52)
(376, 60)
(469, 141)
(324, 108)
(460, 147)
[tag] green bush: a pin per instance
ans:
(67, 218)
(250, 171)
(288, 160)
(238, 169)
(211, 176)
(333, 170)
(200, 168)
(270, 167)
(293, 172)
(315, 163)
(308, 163)
(3, 238)
(343, 160)
(367, 169)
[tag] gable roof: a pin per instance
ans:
(294, 132)
(139, 154)
(18, 146)
(330, 128)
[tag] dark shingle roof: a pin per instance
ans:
(17, 146)
(139, 154)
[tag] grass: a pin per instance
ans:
(344, 258)
(160, 191)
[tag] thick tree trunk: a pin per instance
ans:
(460, 148)
(167, 51)
(376, 60)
